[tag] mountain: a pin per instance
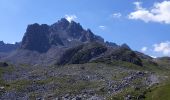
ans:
(67, 42)
(65, 61)
(63, 33)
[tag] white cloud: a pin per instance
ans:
(70, 17)
(163, 47)
(153, 56)
(102, 27)
(144, 49)
(116, 15)
(160, 12)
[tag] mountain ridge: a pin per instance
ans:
(53, 44)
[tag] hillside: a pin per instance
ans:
(64, 61)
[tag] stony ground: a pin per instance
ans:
(90, 81)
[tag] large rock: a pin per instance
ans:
(3, 64)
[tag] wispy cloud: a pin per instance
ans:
(138, 5)
(70, 17)
(144, 49)
(163, 47)
(159, 12)
(116, 15)
(102, 27)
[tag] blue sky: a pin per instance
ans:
(142, 24)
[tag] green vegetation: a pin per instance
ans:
(18, 85)
(3, 70)
(159, 93)
(128, 91)
(127, 65)
(85, 54)
(75, 87)
(73, 82)
(13, 85)
(119, 76)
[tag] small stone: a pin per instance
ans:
(2, 88)
(140, 97)
(78, 98)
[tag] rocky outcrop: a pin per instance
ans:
(111, 44)
(3, 64)
(82, 54)
(97, 52)
(121, 54)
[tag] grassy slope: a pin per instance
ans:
(160, 93)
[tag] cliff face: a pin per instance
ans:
(36, 38)
(41, 37)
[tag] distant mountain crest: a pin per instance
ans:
(6, 47)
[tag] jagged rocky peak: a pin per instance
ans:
(111, 44)
(64, 24)
(62, 33)
(60, 25)
(74, 29)
(125, 46)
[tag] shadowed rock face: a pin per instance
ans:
(36, 38)
(63, 33)
(82, 53)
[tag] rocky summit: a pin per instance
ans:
(63, 33)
